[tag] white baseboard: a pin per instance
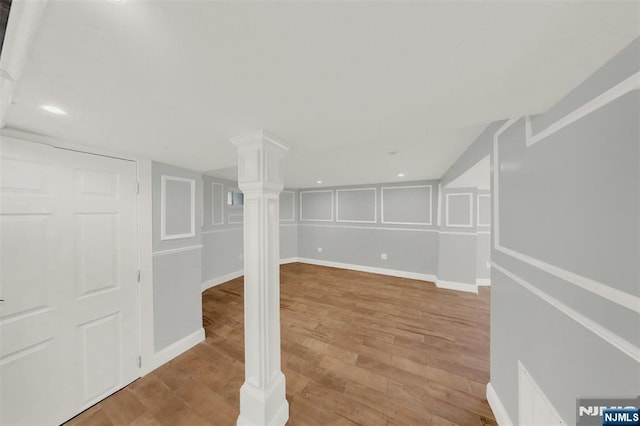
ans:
(170, 352)
(500, 413)
(452, 285)
(220, 280)
(233, 275)
(483, 282)
(370, 269)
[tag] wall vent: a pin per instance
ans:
(533, 406)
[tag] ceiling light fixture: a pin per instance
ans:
(53, 109)
(319, 181)
(400, 174)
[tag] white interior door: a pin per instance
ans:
(69, 332)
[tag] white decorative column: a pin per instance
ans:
(260, 177)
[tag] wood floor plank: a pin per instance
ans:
(357, 349)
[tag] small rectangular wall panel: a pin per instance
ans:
(217, 203)
(484, 210)
(407, 205)
(356, 205)
(287, 206)
(316, 206)
(177, 208)
(459, 207)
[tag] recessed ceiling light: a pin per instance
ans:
(400, 174)
(392, 152)
(53, 109)
(319, 181)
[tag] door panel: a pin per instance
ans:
(68, 274)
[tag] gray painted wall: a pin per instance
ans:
(457, 259)
(177, 304)
(483, 255)
(476, 152)
(223, 246)
(368, 223)
(572, 201)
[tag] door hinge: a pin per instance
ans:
(138, 275)
(139, 361)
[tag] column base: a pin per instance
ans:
(260, 407)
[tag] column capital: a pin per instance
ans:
(260, 157)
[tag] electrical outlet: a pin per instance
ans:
(319, 249)
(383, 256)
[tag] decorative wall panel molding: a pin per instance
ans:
(217, 203)
(359, 205)
(622, 298)
(316, 206)
(177, 208)
(466, 211)
(407, 205)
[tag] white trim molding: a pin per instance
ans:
(170, 352)
(215, 231)
(163, 208)
(448, 224)
(145, 264)
(213, 206)
(449, 285)
(382, 189)
(293, 206)
(221, 279)
(612, 294)
(439, 213)
(234, 221)
(622, 88)
(478, 210)
(236, 274)
(370, 269)
(452, 285)
(375, 205)
(500, 413)
(483, 282)
(302, 218)
(613, 339)
(177, 250)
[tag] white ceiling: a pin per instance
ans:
(343, 83)
(477, 176)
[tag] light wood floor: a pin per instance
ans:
(357, 349)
